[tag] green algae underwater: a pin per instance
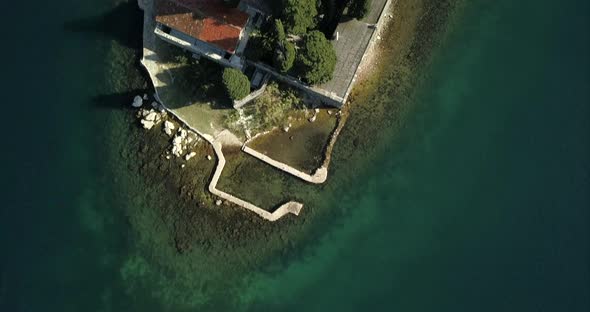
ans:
(460, 182)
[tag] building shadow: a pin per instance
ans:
(124, 23)
(194, 85)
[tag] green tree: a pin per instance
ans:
(316, 59)
(236, 84)
(284, 56)
(359, 8)
(279, 31)
(299, 15)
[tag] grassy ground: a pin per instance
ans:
(193, 89)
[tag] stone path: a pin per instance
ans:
(290, 207)
(355, 38)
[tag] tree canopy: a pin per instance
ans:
(284, 51)
(284, 56)
(237, 85)
(317, 58)
(299, 15)
(279, 31)
(359, 8)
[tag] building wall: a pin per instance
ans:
(193, 45)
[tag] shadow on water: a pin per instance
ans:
(118, 100)
(124, 23)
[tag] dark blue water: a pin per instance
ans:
(482, 206)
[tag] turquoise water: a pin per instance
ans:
(482, 205)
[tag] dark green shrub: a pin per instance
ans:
(284, 56)
(236, 84)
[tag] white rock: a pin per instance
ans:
(151, 116)
(167, 156)
(317, 110)
(137, 102)
(177, 150)
(218, 202)
(190, 155)
(145, 96)
(313, 118)
(286, 129)
(182, 166)
(147, 124)
(144, 112)
(183, 133)
(209, 157)
(168, 127)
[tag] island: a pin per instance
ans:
(269, 78)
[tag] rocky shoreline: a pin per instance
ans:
(184, 141)
(178, 215)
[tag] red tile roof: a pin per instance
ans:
(211, 21)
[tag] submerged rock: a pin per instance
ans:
(190, 155)
(148, 124)
(137, 102)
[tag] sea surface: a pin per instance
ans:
(482, 205)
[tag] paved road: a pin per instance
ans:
(353, 40)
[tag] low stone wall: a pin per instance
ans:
(320, 175)
(290, 207)
(250, 97)
(323, 95)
